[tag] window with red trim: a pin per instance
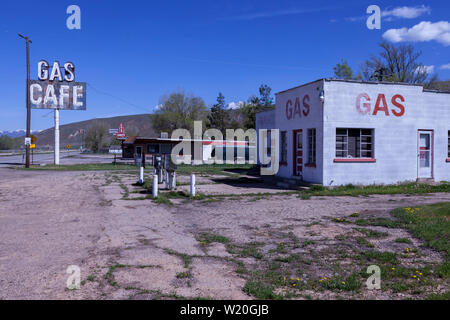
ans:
(354, 143)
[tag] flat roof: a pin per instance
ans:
(365, 82)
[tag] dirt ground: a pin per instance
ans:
(130, 247)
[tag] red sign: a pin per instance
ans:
(121, 132)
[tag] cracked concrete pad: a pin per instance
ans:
(152, 278)
(218, 250)
(215, 279)
(327, 231)
(146, 256)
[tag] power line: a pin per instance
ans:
(118, 98)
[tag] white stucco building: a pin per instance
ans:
(337, 132)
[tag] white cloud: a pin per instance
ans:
(269, 14)
(406, 12)
(424, 31)
(235, 105)
(427, 69)
(399, 12)
(446, 66)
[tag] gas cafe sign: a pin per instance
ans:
(56, 88)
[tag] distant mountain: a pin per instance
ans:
(17, 133)
(73, 133)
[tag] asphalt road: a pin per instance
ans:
(73, 157)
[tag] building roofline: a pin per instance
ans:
(435, 91)
(365, 82)
(268, 110)
(305, 84)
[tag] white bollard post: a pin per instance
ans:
(141, 175)
(155, 186)
(192, 185)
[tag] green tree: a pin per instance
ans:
(7, 143)
(179, 111)
(344, 71)
(95, 136)
(218, 116)
(256, 104)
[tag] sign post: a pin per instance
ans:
(32, 147)
(27, 147)
(57, 136)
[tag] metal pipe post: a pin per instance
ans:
(57, 136)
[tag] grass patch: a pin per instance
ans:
(307, 243)
(403, 240)
(183, 275)
(380, 222)
(364, 242)
(350, 283)
(260, 290)
(372, 233)
(207, 238)
(351, 190)
(439, 296)
(429, 223)
(383, 257)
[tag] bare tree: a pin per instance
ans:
(395, 64)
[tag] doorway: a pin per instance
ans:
(298, 152)
(425, 154)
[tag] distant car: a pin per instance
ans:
(85, 151)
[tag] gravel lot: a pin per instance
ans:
(207, 248)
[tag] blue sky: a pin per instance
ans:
(133, 52)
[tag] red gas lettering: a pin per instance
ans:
(289, 110)
(365, 106)
(398, 105)
(307, 107)
(381, 98)
(297, 108)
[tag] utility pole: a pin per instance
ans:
(27, 147)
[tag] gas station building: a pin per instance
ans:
(338, 132)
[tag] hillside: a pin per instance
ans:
(72, 133)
